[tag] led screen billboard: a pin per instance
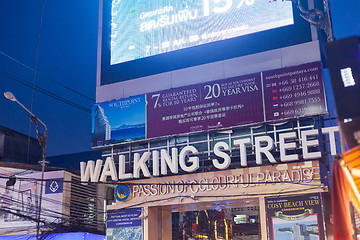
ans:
(142, 38)
(145, 28)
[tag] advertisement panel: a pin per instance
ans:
(124, 224)
(144, 38)
(212, 105)
(119, 121)
(295, 217)
(274, 95)
(140, 29)
(294, 92)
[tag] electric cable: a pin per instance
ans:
(46, 213)
(210, 196)
(16, 209)
(190, 184)
(39, 89)
(47, 200)
(47, 78)
(55, 214)
(19, 205)
(168, 183)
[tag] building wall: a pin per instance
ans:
(14, 147)
(277, 58)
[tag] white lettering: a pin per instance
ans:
(309, 143)
(331, 131)
(122, 174)
(155, 159)
(219, 153)
(242, 143)
(194, 160)
(88, 171)
(189, 161)
(167, 161)
(139, 163)
(284, 146)
(109, 170)
(264, 149)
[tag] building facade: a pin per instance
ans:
(226, 139)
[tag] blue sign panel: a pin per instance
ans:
(54, 186)
(112, 122)
(124, 218)
(124, 224)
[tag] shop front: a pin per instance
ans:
(268, 202)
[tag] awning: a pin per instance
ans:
(345, 188)
(351, 162)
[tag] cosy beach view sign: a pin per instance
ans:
(295, 217)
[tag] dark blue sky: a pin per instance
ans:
(67, 54)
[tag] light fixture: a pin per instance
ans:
(10, 96)
(347, 120)
(347, 77)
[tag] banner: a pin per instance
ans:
(294, 92)
(124, 224)
(295, 217)
(274, 95)
(119, 121)
(212, 105)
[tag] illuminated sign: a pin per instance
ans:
(232, 180)
(244, 182)
(187, 159)
(145, 28)
(273, 95)
(122, 192)
(124, 224)
(295, 217)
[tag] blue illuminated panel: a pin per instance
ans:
(146, 28)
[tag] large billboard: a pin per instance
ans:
(143, 38)
(145, 28)
(273, 95)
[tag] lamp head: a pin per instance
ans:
(10, 96)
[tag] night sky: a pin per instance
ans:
(67, 53)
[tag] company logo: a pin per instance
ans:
(122, 192)
(54, 186)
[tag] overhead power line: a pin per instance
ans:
(135, 183)
(42, 90)
(49, 213)
(46, 77)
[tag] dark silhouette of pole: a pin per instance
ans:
(42, 138)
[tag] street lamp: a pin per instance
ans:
(42, 138)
